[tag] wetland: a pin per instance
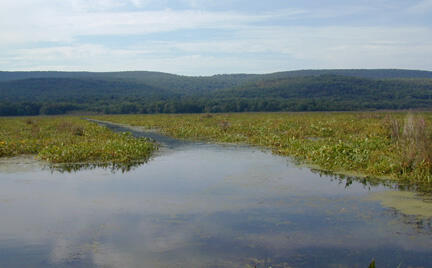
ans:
(203, 204)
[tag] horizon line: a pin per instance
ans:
(217, 74)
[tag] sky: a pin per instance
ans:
(197, 37)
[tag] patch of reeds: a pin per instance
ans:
(224, 125)
(416, 147)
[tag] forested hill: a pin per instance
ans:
(335, 92)
(202, 84)
(23, 93)
(361, 73)
(76, 90)
(174, 83)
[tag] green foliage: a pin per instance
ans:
(372, 264)
(359, 143)
(73, 90)
(69, 140)
(148, 92)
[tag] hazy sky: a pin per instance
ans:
(197, 37)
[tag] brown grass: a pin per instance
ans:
(415, 140)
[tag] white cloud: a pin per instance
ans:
(263, 49)
(140, 3)
(47, 25)
(341, 47)
(291, 45)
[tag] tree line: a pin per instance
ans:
(310, 93)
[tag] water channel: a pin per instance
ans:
(206, 205)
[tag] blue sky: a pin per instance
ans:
(196, 37)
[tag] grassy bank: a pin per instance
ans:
(394, 145)
(69, 140)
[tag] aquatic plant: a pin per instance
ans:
(69, 140)
(376, 144)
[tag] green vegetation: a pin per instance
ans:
(33, 93)
(69, 140)
(395, 145)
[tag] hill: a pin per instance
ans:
(175, 83)
(75, 89)
(335, 92)
(149, 92)
(202, 84)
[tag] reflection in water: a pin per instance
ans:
(368, 182)
(373, 182)
(28, 164)
(113, 167)
(203, 206)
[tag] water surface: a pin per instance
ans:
(202, 205)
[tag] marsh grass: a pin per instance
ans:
(416, 143)
(69, 140)
(394, 145)
(224, 125)
(394, 127)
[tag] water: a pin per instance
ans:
(201, 205)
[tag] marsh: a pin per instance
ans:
(203, 205)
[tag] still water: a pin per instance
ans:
(202, 205)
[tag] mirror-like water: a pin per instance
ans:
(202, 206)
